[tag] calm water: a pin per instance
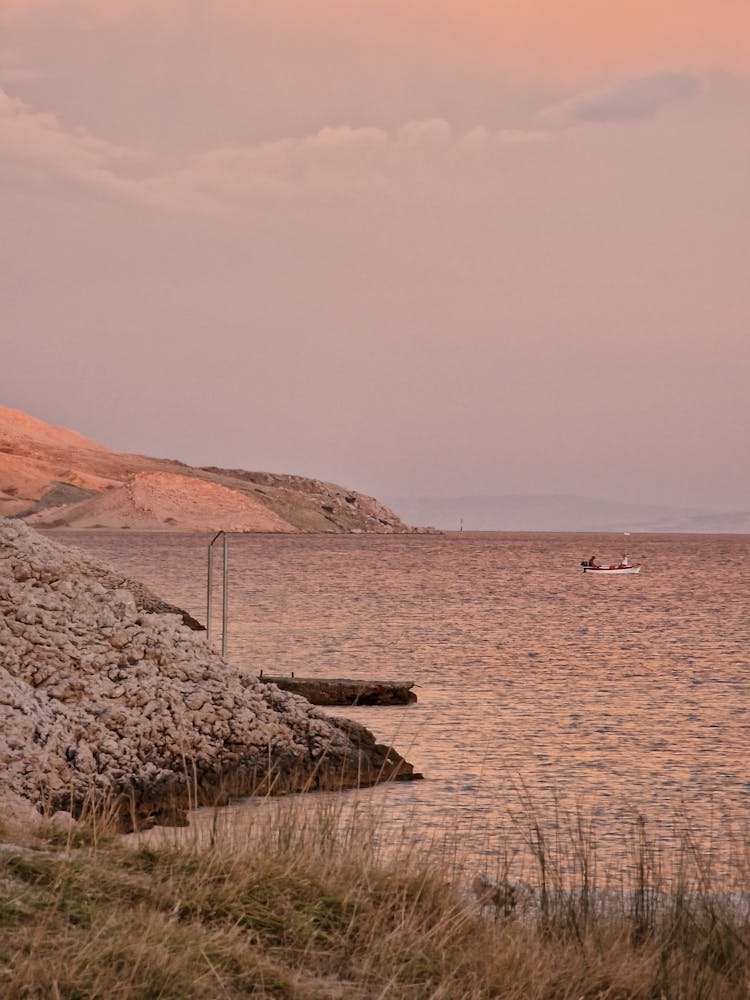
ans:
(629, 695)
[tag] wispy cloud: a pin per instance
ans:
(38, 149)
(626, 100)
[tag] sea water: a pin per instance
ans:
(541, 689)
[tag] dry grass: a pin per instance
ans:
(309, 903)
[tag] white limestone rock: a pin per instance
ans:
(103, 688)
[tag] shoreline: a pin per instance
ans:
(112, 700)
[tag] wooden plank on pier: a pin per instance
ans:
(342, 691)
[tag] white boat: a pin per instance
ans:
(615, 568)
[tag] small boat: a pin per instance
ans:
(620, 568)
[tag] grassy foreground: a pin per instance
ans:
(315, 906)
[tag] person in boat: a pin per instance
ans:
(624, 561)
(593, 562)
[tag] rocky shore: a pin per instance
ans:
(108, 694)
(55, 478)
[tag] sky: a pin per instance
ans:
(417, 248)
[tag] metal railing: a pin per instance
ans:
(224, 592)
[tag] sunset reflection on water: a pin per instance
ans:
(538, 686)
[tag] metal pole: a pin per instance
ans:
(210, 589)
(225, 602)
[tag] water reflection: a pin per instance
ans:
(628, 694)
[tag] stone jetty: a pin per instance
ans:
(345, 691)
(107, 693)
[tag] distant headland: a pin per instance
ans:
(55, 478)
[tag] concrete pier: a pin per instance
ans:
(341, 691)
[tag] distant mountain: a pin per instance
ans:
(55, 478)
(561, 513)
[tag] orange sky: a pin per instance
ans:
(571, 41)
(581, 39)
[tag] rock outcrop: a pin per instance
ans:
(106, 693)
(346, 691)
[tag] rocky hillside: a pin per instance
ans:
(156, 501)
(107, 692)
(56, 478)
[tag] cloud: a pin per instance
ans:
(339, 160)
(430, 133)
(335, 158)
(39, 150)
(626, 100)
